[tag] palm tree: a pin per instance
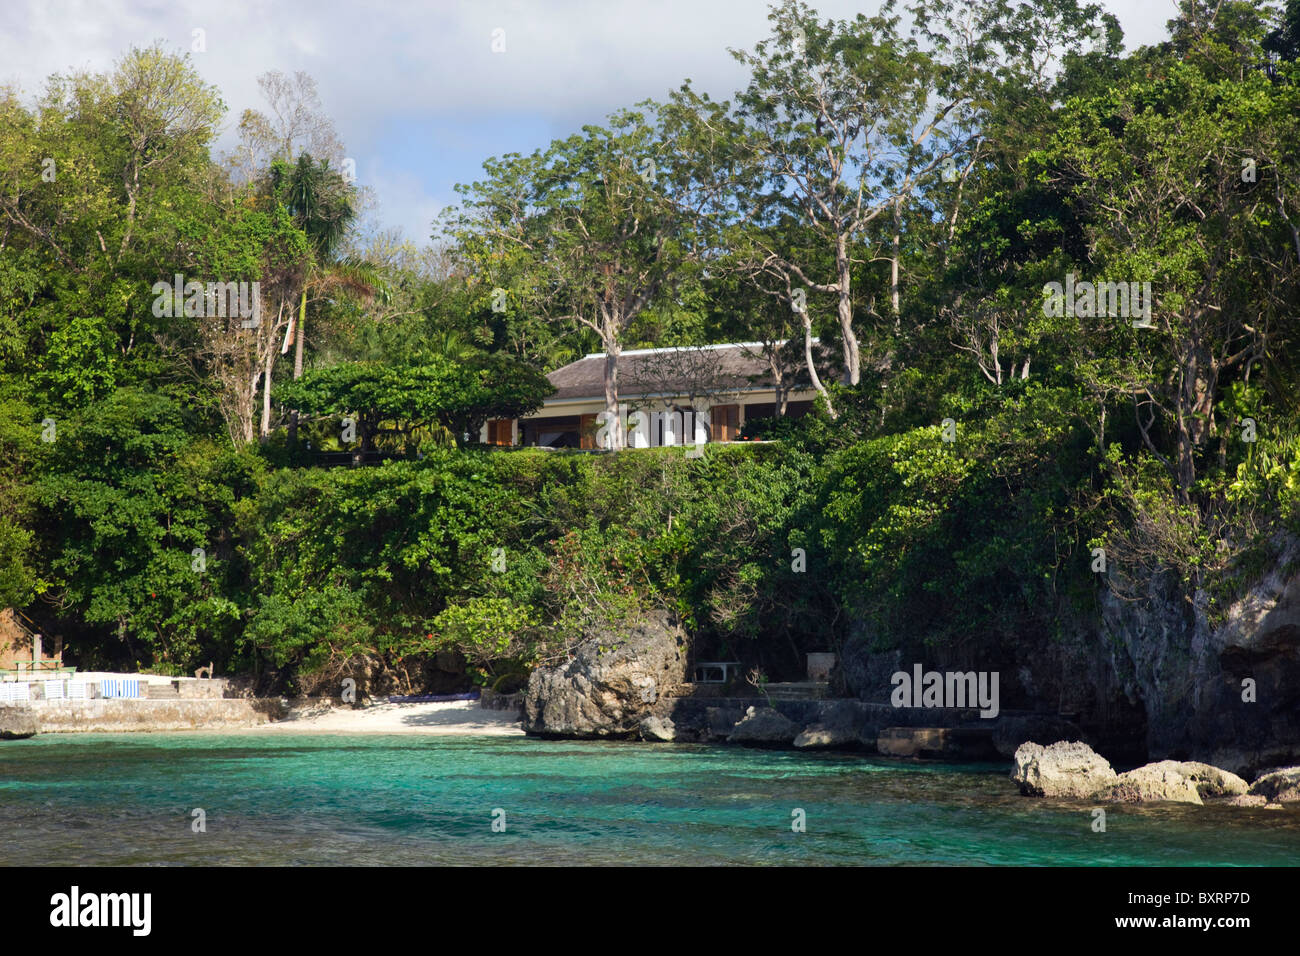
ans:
(321, 204)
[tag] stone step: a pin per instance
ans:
(798, 690)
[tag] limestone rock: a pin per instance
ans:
(839, 723)
(1248, 800)
(1157, 782)
(820, 735)
(658, 729)
(1061, 770)
(1010, 732)
(610, 685)
(17, 723)
(1280, 786)
(764, 725)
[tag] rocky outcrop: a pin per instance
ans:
(1226, 690)
(764, 726)
(658, 729)
(612, 682)
(842, 725)
(823, 736)
(1009, 732)
(1279, 786)
(1175, 782)
(17, 723)
(1153, 783)
(1062, 770)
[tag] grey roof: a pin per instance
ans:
(686, 371)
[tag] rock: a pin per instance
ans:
(1156, 782)
(1010, 732)
(659, 729)
(1280, 786)
(1246, 800)
(1211, 782)
(839, 723)
(764, 725)
(1188, 667)
(1061, 770)
(719, 721)
(17, 723)
(611, 683)
(865, 673)
(820, 735)
(950, 743)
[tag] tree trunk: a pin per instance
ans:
(614, 427)
(812, 368)
(297, 361)
(266, 395)
(893, 264)
(852, 369)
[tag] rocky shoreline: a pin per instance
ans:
(1072, 770)
(628, 686)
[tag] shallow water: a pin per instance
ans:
(379, 799)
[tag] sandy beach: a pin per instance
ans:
(448, 719)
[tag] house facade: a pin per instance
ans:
(667, 396)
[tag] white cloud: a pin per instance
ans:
(428, 67)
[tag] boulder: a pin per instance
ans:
(610, 684)
(1211, 782)
(17, 723)
(765, 726)
(1279, 786)
(1009, 732)
(1061, 770)
(821, 735)
(840, 723)
(719, 721)
(1157, 782)
(1247, 800)
(658, 729)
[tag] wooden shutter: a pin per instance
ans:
(726, 422)
(587, 431)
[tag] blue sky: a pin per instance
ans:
(418, 95)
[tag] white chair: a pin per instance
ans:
(53, 689)
(19, 691)
(76, 690)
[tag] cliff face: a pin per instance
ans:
(1158, 677)
(1226, 692)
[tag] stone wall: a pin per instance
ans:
(114, 716)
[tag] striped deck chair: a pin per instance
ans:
(131, 688)
(77, 690)
(108, 688)
(53, 689)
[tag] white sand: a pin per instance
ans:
(447, 719)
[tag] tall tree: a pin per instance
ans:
(587, 234)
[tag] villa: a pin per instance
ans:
(667, 396)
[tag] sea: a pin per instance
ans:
(249, 799)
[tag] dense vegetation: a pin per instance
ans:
(903, 196)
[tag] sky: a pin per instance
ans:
(417, 92)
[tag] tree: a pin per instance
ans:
(587, 235)
(1160, 168)
(407, 397)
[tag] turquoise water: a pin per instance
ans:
(378, 799)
